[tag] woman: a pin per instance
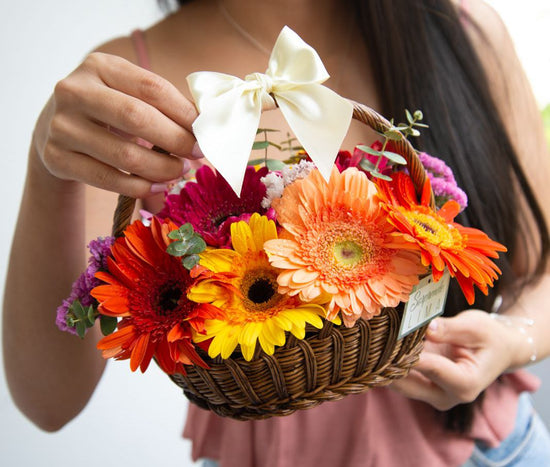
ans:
(388, 54)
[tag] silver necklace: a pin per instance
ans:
(242, 31)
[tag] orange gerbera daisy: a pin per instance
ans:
(339, 243)
(147, 288)
(444, 243)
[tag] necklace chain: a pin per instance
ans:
(242, 31)
(259, 46)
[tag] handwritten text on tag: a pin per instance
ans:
(427, 300)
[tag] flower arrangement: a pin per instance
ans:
(289, 294)
(218, 275)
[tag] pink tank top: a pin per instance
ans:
(377, 428)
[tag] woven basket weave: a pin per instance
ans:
(328, 364)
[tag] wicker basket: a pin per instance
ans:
(328, 364)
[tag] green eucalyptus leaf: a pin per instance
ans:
(410, 118)
(367, 165)
(422, 125)
(183, 233)
(394, 157)
(266, 130)
(189, 262)
(195, 245)
(369, 150)
(178, 248)
(418, 115)
(380, 176)
(107, 324)
(394, 135)
(81, 329)
(415, 132)
(274, 164)
(260, 145)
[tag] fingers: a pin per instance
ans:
(110, 92)
(465, 329)
(452, 377)
(95, 141)
(145, 86)
(82, 168)
(418, 387)
(137, 117)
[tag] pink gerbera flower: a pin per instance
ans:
(210, 205)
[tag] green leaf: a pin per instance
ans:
(367, 165)
(376, 174)
(78, 310)
(394, 157)
(394, 135)
(422, 125)
(185, 232)
(266, 130)
(260, 145)
(274, 164)
(195, 245)
(178, 248)
(410, 118)
(91, 316)
(189, 262)
(81, 329)
(369, 150)
(107, 324)
(418, 115)
(415, 132)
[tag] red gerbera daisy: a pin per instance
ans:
(210, 205)
(147, 288)
(443, 243)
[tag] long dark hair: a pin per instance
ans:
(423, 59)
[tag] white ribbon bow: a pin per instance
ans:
(230, 109)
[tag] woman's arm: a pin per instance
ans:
(51, 375)
(466, 353)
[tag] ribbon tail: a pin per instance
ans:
(320, 119)
(225, 130)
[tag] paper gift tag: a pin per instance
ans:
(427, 300)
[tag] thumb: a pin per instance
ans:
(464, 329)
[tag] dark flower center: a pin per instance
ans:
(261, 291)
(169, 298)
(219, 220)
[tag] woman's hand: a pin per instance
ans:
(462, 356)
(89, 130)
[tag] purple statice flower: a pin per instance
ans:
(100, 249)
(443, 181)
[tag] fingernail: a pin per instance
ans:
(186, 166)
(433, 326)
(196, 152)
(158, 187)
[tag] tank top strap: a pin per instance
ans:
(140, 47)
(464, 12)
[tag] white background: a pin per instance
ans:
(132, 419)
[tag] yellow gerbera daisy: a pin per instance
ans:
(248, 297)
(340, 243)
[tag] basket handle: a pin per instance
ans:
(362, 113)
